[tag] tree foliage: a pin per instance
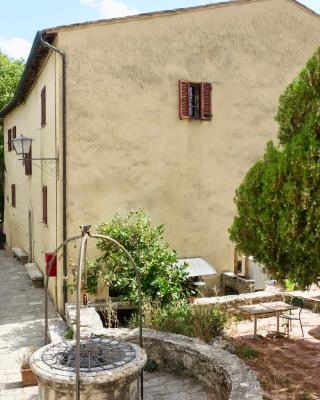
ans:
(278, 203)
(10, 73)
(161, 279)
(299, 105)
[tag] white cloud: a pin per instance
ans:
(110, 8)
(15, 47)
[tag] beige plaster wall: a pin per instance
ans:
(27, 119)
(129, 148)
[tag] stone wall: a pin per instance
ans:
(242, 299)
(211, 365)
(237, 283)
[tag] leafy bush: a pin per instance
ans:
(174, 318)
(200, 321)
(160, 278)
(208, 322)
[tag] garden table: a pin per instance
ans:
(274, 307)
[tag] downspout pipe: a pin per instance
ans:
(64, 165)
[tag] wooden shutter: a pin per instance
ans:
(43, 107)
(28, 162)
(45, 205)
(184, 99)
(9, 140)
(14, 132)
(206, 101)
(13, 195)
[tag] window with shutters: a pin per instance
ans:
(28, 162)
(195, 100)
(45, 205)
(43, 107)
(14, 132)
(9, 140)
(13, 195)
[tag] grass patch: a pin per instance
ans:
(151, 365)
(69, 335)
(245, 352)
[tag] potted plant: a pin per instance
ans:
(27, 375)
(192, 295)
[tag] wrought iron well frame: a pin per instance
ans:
(85, 234)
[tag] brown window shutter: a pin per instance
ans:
(45, 205)
(206, 101)
(43, 107)
(9, 140)
(183, 99)
(28, 162)
(13, 195)
(14, 132)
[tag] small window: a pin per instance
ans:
(195, 100)
(43, 107)
(45, 205)
(28, 162)
(9, 140)
(13, 195)
(14, 132)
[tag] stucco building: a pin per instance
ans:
(164, 111)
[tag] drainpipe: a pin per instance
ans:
(64, 165)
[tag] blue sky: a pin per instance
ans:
(21, 19)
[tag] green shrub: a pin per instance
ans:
(161, 278)
(175, 318)
(208, 322)
(203, 322)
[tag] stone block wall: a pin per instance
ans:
(237, 283)
(211, 365)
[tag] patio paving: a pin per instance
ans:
(21, 325)
(167, 386)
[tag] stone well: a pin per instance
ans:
(109, 370)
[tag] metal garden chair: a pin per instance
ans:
(297, 302)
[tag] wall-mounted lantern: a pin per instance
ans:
(22, 145)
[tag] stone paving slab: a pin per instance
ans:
(21, 325)
(167, 386)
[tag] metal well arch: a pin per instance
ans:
(85, 234)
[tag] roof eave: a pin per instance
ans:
(33, 66)
(170, 12)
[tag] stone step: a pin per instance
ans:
(57, 330)
(20, 254)
(34, 274)
(89, 318)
